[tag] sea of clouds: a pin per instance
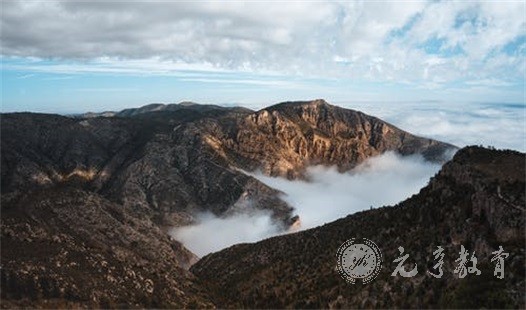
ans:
(502, 125)
(327, 196)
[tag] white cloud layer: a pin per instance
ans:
(379, 181)
(430, 41)
(382, 180)
(500, 124)
(212, 233)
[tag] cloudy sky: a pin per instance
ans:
(72, 56)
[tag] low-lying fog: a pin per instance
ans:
(379, 181)
(501, 125)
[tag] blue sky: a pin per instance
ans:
(96, 56)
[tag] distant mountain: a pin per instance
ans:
(159, 107)
(156, 107)
(94, 114)
(86, 201)
(477, 200)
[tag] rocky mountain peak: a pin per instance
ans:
(318, 106)
(287, 137)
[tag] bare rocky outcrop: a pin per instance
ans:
(284, 139)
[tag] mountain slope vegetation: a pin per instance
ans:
(477, 200)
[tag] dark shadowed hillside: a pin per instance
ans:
(476, 200)
(64, 247)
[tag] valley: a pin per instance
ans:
(92, 199)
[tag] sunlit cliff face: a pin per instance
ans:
(296, 226)
(85, 175)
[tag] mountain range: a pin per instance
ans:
(87, 201)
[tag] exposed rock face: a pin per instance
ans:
(85, 201)
(284, 139)
(477, 200)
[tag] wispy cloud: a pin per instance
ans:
(104, 89)
(25, 76)
(149, 66)
(275, 83)
(58, 78)
(489, 82)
